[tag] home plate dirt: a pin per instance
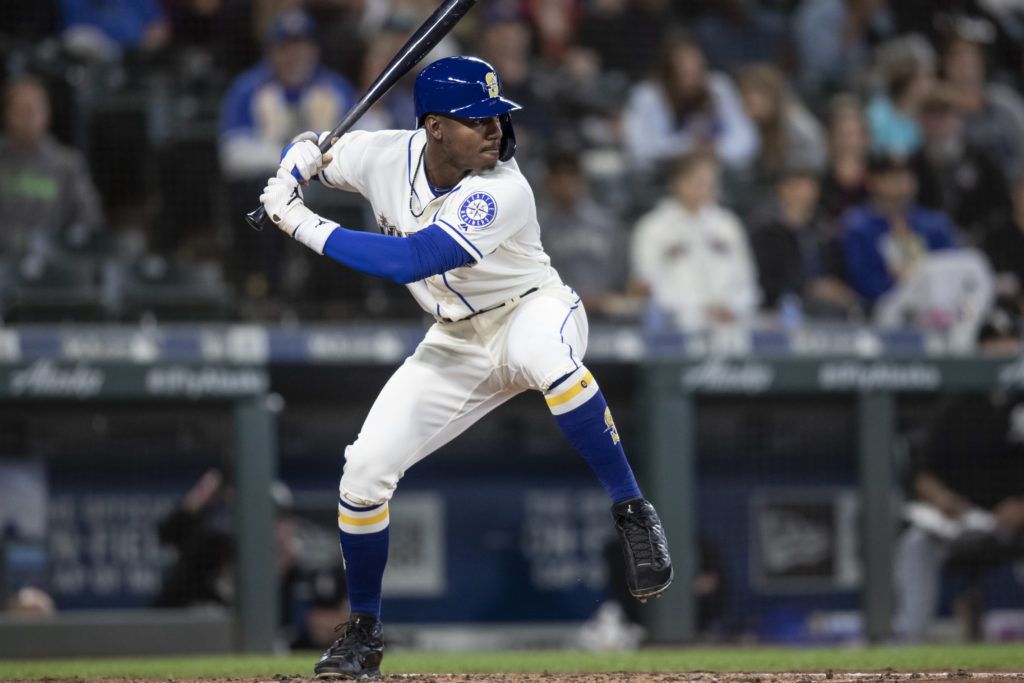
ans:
(961, 676)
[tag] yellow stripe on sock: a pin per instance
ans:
(362, 521)
(571, 393)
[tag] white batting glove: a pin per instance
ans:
(282, 200)
(302, 157)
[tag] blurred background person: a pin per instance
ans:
(105, 29)
(846, 176)
(888, 236)
(968, 489)
(690, 254)
(734, 33)
(686, 108)
(954, 175)
(46, 191)
(993, 112)
(601, 31)
(1004, 246)
(893, 111)
(798, 254)
(586, 241)
(286, 93)
(834, 40)
(790, 135)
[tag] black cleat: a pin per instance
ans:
(357, 654)
(648, 565)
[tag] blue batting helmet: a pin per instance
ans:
(468, 88)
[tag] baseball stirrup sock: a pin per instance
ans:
(364, 544)
(584, 417)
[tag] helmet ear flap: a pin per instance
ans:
(508, 138)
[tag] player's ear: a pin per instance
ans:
(432, 124)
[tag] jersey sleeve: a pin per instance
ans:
(483, 217)
(348, 169)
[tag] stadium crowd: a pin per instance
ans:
(698, 164)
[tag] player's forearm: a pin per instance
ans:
(400, 259)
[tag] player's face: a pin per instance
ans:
(470, 144)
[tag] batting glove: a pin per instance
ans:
(303, 159)
(282, 199)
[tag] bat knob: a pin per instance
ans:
(256, 218)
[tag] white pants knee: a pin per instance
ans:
(459, 373)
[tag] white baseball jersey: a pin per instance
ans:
(491, 214)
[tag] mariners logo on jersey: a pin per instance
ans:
(493, 89)
(478, 210)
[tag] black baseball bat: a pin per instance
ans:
(436, 27)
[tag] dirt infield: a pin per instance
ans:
(959, 676)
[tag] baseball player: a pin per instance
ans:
(459, 228)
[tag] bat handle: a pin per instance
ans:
(256, 218)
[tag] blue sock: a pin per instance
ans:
(584, 417)
(364, 543)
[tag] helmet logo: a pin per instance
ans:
(478, 210)
(493, 89)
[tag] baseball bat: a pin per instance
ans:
(436, 27)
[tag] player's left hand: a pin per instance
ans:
(282, 199)
(303, 158)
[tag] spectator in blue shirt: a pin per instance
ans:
(885, 238)
(286, 93)
(129, 24)
(283, 95)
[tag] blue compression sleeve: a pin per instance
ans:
(430, 251)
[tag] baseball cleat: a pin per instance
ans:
(357, 654)
(648, 564)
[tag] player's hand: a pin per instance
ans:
(302, 157)
(282, 199)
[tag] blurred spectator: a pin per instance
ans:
(30, 601)
(103, 29)
(733, 33)
(1004, 244)
(266, 106)
(281, 96)
(220, 27)
(893, 111)
(505, 43)
(834, 39)
(955, 176)
(968, 482)
(691, 255)
(46, 193)
(685, 108)
(845, 183)
(204, 572)
(887, 237)
(585, 240)
(397, 109)
(554, 23)
(798, 260)
(790, 136)
(601, 31)
(994, 113)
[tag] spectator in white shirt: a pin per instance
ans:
(687, 108)
(691, 255)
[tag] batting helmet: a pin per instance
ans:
(468, 88)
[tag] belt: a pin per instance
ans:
(490, 308)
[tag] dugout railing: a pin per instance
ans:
(674, 389)
(228, 365)
(51, 380)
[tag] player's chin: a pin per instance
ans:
(488, 159)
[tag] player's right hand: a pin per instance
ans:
(302, 157)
